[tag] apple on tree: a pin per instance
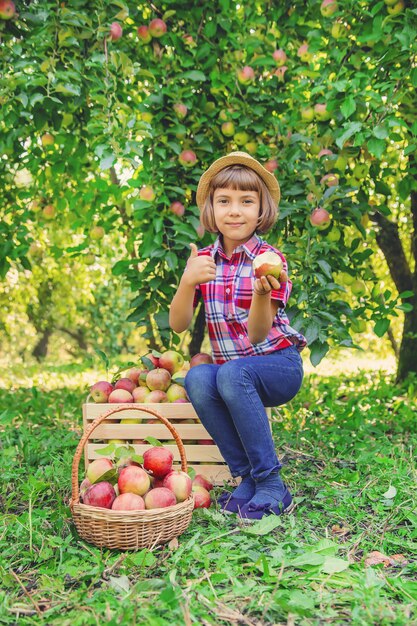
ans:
(7, 9)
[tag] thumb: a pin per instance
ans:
(194, 252)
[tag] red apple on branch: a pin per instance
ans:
(157, 28)
(187, 158)
(116, 31)
(7, 9)
(144, 34)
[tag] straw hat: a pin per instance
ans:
(236, 158)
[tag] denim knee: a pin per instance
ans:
(228, 376)
(199, 379)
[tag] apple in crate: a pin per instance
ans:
(140, 394)
(201, 480)
(159, 498)
(134, 374)
(128, 502)
(176, 392)
(200, 359)
(158, 460)
(268, 263)
(202, 498)
(101, 495)
(179, 483)
(171, 361)
(100, 391)
(120, 396)
(133, 479)
(126, 384)
(97, 469)
(156, 396)
(158, 378)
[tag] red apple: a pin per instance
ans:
(133, 479)
(158, 460)
(199, 479)
(128, 502)
(147, 193)
(134, 374)
(187, 158)
(303, 53)
(100, 391)
(271, 165)
(126, 384)
(200, 359)
(279, 57)
(268, 263)
(140, 394)
(320, 218)
(156, 396)
(97, 469)
(101, 494)
(205, 442)
(159, 378)
(180, 110)
(159, 498)
(331, 180)
(144, 34)
(246, 75)
(321, 112)
(280, 72)
(180, 401)
(120, 396)
(176, 392)
(85, 484)
(328, 7)
(179, 483)
(171, 361)
(7, 9)
(153, 359)
(202, 499)
(97, 232)
(157, 28)
(116, 31)
(177, 208)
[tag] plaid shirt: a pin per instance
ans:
(227, 301)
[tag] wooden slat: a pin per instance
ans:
(169, 410)
(140, 431)
(207, 454)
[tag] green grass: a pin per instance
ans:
(345, 440)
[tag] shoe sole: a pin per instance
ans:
(286, 511)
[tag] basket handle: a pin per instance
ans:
(78, 452)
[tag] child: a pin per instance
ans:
(256, 353)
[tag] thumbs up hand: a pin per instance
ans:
(200, 269)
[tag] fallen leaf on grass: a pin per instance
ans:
(341, 531)
(376, 558)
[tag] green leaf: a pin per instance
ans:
(103, 357)
(107, 450)
(348, 107)
(376, 147)
(381, 327)
(325, 267)
(195, 75)
(111, 477)
(380, 132)
(265, 525)
(317, 352)
(332, 565)
(153, 441)
(350, 129)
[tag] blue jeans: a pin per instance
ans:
(230, 400)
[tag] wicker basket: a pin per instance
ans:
(129, 530)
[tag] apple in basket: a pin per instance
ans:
(201, 480)
(159, 498)
(158, 460)
(179, 483)
(101, 495)
(133, 479)
(128, 502)
(202, 498)
(97, 469)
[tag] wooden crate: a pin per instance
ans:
(203, 457)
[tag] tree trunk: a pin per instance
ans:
(41, 349)
(388, 239)
(78, 336)
(199, 329)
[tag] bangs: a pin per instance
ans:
(236, 177)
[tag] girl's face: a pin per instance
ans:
(236, 214)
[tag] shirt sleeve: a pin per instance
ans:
(283, 293)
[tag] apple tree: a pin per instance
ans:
(113, 110)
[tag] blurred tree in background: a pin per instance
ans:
(110, 112)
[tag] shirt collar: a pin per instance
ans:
(251, 247)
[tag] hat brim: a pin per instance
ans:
(236, 158)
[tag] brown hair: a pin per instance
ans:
(245, 179)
